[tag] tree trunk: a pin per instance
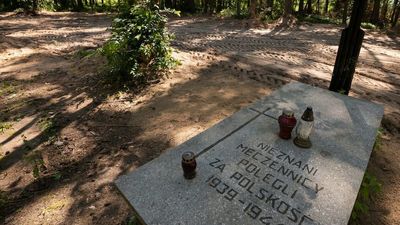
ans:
(34, 6)
(189, 6)
(396, 16)
(318, 6)
(375, 12)
(270, 4)
(349, 50)
(220, 5)
(345, 8)
(301, 7)
(326, 7)
(394, 10)
(168, 3)
(238, 10)
(288, 8)
(252, 8)
(384, 10)
(205, 6)
(80, 4)
(309, 7)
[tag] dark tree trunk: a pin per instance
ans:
(64, 4)
(345, 9)
(301, 7)
(189, 6)
(220, 5)
(270, 4)
(34, 6)
(212, 5)
(384, 10)
(252, 8)
(396, 16)
(375, 12)
(394, 10)
(288, 8)
(168, 3)
(206, 5)
(238, 9)
(309, 7)
(326, 7)
(318, 6)
(80, 4)
(349, 50)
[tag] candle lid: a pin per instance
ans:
(308, 115)
(188, 156)
(288, 113)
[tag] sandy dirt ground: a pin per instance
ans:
(68, 135)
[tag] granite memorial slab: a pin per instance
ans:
(247, 175)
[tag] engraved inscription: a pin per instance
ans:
(266, 183)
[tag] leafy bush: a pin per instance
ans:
(368, 26)
(268, 15)
(227, 13)
(318, 19)
(4, 126)
(369, 187)
(139, 49)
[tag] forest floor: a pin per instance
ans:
(67, 135)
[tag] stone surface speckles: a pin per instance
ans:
(247, 175)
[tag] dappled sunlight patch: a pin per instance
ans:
(21, 132)
(52, 206)
(78, 102)
(185, 133)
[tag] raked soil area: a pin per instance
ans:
(67, 134)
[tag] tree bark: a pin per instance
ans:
(309, 7)
(288, 8)
(396, 16)
(394, 10)
(189, 6)
(384, 10)
(206, 5)
(349, 50)
(301, 7)
(345, 9)
(238, 9)
(326, 7)
(375, 12)
(220, 4)
(168, 3)
(252, 8)
(34, 6)
(80, 4)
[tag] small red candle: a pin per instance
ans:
(287, 122)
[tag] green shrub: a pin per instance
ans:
(369, 187)
(139, 49)
(369, 26)
(47, 5)
(227, 13)
(318, 19)
(4, 126)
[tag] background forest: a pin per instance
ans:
(380, 13)
(86, 97)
